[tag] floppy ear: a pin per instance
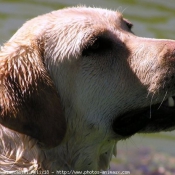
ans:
(29, 102)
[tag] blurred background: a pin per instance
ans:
(143, 154)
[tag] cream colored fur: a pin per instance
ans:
(92, 89)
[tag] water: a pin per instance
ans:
(151, 18)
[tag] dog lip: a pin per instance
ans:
(130, 123)
(152, 118)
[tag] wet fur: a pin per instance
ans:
(59, 97)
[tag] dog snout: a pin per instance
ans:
(153, 62)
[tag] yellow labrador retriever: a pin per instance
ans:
(75, 81)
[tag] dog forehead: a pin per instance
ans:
(90, 15)
(73, 18)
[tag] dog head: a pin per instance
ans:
(110, 76)
(83, 72)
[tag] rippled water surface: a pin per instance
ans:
(151, 18)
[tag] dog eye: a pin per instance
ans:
(129, 25)
(97, 46)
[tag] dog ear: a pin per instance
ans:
(29, 102)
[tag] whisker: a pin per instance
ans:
(162, 101)
(147, 94)
(164, 85)
(151, 103)
(121, 10)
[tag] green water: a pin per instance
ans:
(151, 18)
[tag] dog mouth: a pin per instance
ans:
(154, 118)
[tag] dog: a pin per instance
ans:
(73, 83)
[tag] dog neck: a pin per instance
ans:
(85, 147)
(82, 149)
